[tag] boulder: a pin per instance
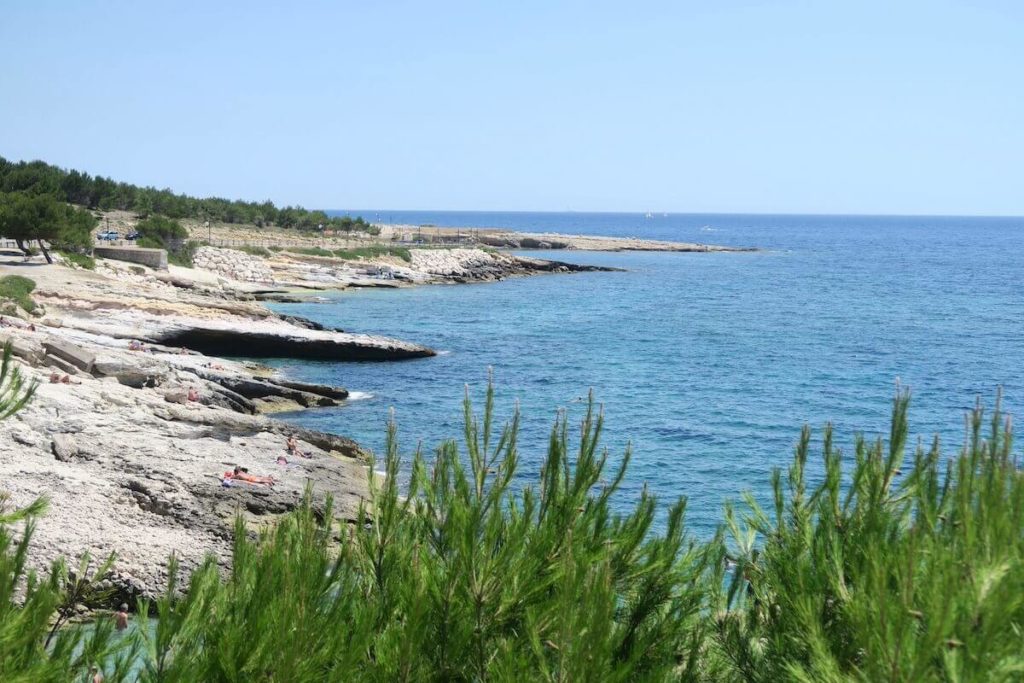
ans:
(63, 447)
(70, 353)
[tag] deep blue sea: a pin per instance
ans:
(708, 364)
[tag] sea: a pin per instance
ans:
(706, 365)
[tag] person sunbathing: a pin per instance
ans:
(192, 395)
(55, 378)
(241, 474)
(292, 446)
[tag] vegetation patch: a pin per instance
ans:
(902, 568)
(160, 232)
(80, 260)
(30, 216)
(374, 251)
(18, 289)
(254, 251)
(97, 192)
(310, 251)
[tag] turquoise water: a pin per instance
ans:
(708, 363)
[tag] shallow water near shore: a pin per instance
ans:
(708, 363)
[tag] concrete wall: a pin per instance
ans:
(154, 258)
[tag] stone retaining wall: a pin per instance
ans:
(450, 262)
(233, 264)
(154, 258)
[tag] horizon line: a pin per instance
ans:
(662, 214)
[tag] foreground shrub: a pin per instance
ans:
(890, 571)
(457, 577)
(32, 647)
(898, 572)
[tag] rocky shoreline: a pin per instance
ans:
(131, 441)
(131, 450)
(139, 414)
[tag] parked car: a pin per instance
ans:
(108, 236)
(133, 235)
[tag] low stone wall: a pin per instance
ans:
(154, 258)
(233, 264)
(450, 262)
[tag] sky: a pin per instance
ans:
(896, 107)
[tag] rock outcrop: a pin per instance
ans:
(479, 265)
(131, 455)
(200, 317)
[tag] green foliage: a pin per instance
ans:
(80, 260)
(161, 229)
(18, 289)
(893, 571)
(161, 232)
(97, 192)
(374, 251)
(27, 603)
(26, 216)
(900, 571)
(310, 251)
(254, 251)
(183, 254)
(458, 577)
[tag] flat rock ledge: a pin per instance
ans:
(202, 318)
(226, 340)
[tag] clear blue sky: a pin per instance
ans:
(728, 106)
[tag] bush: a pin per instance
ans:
(183, 254)
(80, 260)
(374, 251)
(160, 229)
(160, 232)
(310, 251)
(255, 251)
(18, 289)
(894, 572)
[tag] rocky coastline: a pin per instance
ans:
(140, 411)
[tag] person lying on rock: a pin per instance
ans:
(241, 474)
(193, 395)
(55, 378)
(135, 345)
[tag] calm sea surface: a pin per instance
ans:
(707, 363)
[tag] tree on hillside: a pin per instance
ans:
(45, 219)
(99, 192)
(161, 229)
